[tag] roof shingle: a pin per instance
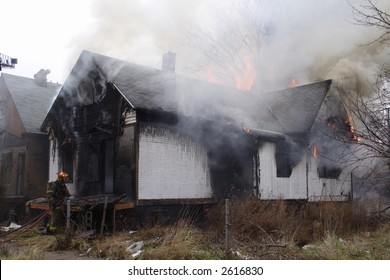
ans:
(31, 100)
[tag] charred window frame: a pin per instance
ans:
(328, 172)
(283, 159)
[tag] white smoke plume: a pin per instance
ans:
(304, 40)
(137, 31)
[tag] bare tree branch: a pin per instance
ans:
(370, 15)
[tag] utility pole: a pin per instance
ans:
(228, 229)
(7, 61)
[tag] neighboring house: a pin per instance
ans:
(160, 138)
(24, 149)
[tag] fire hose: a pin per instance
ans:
(26, 227)
(32, 223)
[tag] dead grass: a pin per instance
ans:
(29, 253)
(182, 241)
(112, 248)
(374, 245)
(260, 230)
(279, 229)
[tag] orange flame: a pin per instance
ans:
(351, 129)
(315, 151)
(245, 81)
(293, 83)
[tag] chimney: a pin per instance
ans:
(41, 77)
(168, 62)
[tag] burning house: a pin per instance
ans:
(24, 149)
(162, 139)
(301, 158)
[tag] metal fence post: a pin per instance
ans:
(228, 227)
(104, 215)
(68, 213)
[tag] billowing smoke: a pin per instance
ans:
(138, 31)
(304, 40)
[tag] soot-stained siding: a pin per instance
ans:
(328, 189)
(304, 181)
(274, 187)
(125, 164)
(171, 166)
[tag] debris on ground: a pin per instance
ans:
(12, 226)
(309, 246)
(86, 253)
(135, 248)
(137, 254)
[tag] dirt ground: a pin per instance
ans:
(22, 248)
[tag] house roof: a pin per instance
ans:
(285, 111)
(31, 100)
(292, 110)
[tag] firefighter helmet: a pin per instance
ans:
(63, 175)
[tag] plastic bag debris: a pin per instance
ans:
(86, 253)
(11, 227)
(135, 247)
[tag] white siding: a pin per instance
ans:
(171, 166)
(130, 117)
(325, 189)
(53, 164)
(273, 187)
(304, 182)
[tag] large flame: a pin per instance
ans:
(245, 81)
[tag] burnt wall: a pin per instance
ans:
(126, 162)
(230, 152)
(98, 129)
(231, 162)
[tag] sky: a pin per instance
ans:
(50, 34)
(39, 34)
(305, 39)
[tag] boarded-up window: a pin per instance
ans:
(6, 170)
(171, 166)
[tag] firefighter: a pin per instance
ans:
(56, 194)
